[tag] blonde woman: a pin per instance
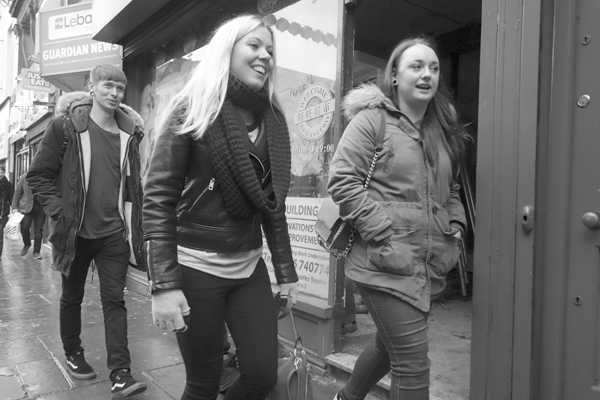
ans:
(219, 172)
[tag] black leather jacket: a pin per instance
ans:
(183, 205)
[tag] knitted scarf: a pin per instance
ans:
(229, 151)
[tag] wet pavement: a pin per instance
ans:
(31, 356)
(32, 359)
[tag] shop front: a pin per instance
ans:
(529, 110)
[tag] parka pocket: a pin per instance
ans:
(393, 255)
(58, 233)
(445, 252)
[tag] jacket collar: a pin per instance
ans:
(366, 96)
(77, 105)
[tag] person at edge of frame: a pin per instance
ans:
(6, 196)
(94, 200)
(27, 204)
(410, 218)
(221, 170)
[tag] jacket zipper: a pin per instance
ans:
(428, 222)
(262, 166)
(211, 186)
(123, 183)
(79, 223)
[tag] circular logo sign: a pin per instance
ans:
(315, 112)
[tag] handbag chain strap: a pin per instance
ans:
(378, 148)
(346, 250)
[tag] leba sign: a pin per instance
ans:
(66, 44)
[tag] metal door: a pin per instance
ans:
(582, 270)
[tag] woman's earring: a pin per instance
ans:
(394, 82)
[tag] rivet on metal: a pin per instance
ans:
(583, 101)
(586, 40)
(577, 300)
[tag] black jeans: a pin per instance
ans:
(37, 216)
(248, 308)
(2, 226)
(111, 255)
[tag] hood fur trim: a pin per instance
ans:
(63, 105)
(365, 96)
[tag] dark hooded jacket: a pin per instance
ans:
(6, 195)
(59, 175)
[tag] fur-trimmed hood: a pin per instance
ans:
(367, 95)
(68, 101)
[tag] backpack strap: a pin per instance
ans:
(66, 138)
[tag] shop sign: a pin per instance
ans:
(315, 112)
(310, 260)
(66, 44)
(31, 80)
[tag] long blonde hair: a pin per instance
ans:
(197, 105)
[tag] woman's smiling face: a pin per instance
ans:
(252, 58)
(418, 74)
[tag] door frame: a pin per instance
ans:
(507, 166)
(557, 116)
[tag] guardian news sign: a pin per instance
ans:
(66, 44)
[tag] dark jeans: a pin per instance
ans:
(248, 308)
(2, 226)
(400, 345)
(111, 255)
(37, 216)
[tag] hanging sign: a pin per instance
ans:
(66, 44)
(31, 80)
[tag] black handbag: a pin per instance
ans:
(333, 233)
(294, 377)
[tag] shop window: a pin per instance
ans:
(21, 163)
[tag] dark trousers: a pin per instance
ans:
(111, 255)
(248, 308)
(3, 222)
(37, 216)
(400, 345)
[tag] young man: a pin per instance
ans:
(6, 195)
(94, 201)
(24, 202)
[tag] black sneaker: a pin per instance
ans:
(25, 250)
(123, 384)
(78, 367)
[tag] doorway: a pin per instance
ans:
(379, 26)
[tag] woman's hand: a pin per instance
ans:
(168, 309)
(459, 230)
(290, 290)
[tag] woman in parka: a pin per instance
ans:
(220, 171)
(409, 220)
